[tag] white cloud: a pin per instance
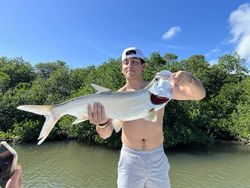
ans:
(213, 61)
(240, 30)
(213, 52)
(171, 32)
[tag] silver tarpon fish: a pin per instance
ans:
(119, 106)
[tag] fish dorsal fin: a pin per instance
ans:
(151, 116)
(99, 89)
(117, 125)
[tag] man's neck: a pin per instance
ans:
(135, 84)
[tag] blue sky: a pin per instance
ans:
(89, 32)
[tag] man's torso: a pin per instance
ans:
(143, 134)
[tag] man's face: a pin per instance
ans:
(132, 68)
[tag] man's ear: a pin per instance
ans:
(144, 66)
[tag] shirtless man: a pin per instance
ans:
(143, 162)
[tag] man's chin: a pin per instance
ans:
(130, 73)
(129, 76)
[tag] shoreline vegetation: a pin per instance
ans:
(238, 142)
(223, 116)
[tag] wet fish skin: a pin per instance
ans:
(119, 106)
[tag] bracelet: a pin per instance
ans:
(103, 125)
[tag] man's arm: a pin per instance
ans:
(98, 117)
(187, 87)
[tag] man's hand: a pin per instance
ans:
(182, 78)
(96, 114)
(187, 87)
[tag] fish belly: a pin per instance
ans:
(122, 107)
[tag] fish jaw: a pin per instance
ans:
(161, 85)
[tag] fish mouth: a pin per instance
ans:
(155, 99)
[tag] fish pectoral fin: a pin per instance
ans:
(117, 125)
(99, 88)
(151, 116)
(80, 119)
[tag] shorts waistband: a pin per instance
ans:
(141, 151)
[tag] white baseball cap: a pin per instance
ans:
(132, 52)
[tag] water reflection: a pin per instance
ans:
(67, 165)
(73, 164)
(221, 165)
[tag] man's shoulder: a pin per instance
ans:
(146, 83)
(124, 88)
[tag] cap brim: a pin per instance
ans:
(132, 56)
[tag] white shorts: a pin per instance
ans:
(143, 168)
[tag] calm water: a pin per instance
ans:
(75, 165)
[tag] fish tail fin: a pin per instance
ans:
(45, 110)
(47, 127)
(36, 109)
